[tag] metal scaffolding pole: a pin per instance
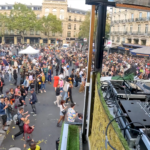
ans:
(91, 35)
(100, 38)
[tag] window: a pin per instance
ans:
(69, 26)
(61, 17)
(75, 19)
(53, 34)
(75, 27)
(146, 28)
(80, 19)
(118, 28)
(132, 16)
(140, 15)
(6, 7)
(11, 32)
(125, 16)
(37, 32)
(61, 11)
(54, 12)
(74, 34)
(68, 34)
(131, 29)
(148, 15)
(31, 32)
(123, 39)
(69, 18)
(124, 28)
(115, 10)
(139, 28)
(60, 34)
(46, 10)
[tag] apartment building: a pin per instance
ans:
(130, 26)
(71, 22)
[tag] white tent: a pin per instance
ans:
(29, 50)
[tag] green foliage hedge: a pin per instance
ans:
(73, 138)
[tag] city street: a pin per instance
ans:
(45, 122)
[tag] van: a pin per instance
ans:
(65, 46)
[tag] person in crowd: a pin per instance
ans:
(26, 83)
(79, 118)
(65, 89)
(62, 111)
(43, 83)
(8, 109)
(2, 112)
(34, 146)
(27, 131)
(33, 101)
(82, 85)
(58, 96)
(56, 81)
(15, 76)
(70, 94)
(20, 118)
(23, 92)
(50, 75)
(71, 113)
(1, 86)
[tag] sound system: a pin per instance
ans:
(131, 99)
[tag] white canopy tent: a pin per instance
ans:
(29, 50)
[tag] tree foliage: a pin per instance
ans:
(3, 24)
(21, 19)
(49, 24)
(85, 27)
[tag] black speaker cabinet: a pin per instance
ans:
(95, 2)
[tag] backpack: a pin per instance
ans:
(17, 102)
(16, 120)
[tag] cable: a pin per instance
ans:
(107, 129)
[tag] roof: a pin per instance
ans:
(78, 11)
(144, 50)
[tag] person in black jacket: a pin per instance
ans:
(33, 100)
(57, 69)
(15, 76)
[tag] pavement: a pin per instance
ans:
(45, 132)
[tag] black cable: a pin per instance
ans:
(107, 129)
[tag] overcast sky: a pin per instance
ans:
(80, 4)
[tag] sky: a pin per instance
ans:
(80, 4)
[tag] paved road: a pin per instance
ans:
(45, 122)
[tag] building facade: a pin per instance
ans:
(130, 26)
(71, 21)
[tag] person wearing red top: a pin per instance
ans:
(27, 131)
(56, 80)
(1, 86)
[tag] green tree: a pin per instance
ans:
(21, 19)
(3, 24)
(49, 24)
(85, 27)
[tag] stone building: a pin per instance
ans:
(130, 26)
(71, 21)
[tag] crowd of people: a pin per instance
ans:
(62, 69)
(116, 64)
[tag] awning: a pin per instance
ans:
(29, 50)
(145, 51)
